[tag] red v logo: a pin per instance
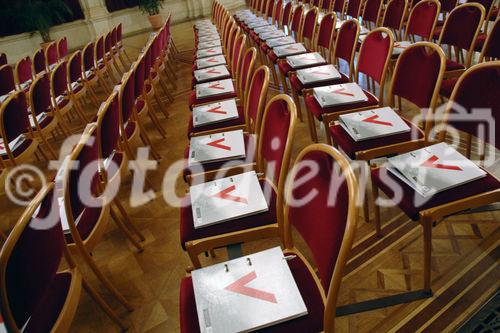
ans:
(224, 194)
(217, 144)
(373, 120)
(240, 287)
(431, 163)
(217, 110)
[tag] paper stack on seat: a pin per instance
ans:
(215, 112)
(318, 74)
(216, 147)
(210, 52)
(271, 35)
(434, 169)
(371, 124)
(305, 60)
(211, 73)
(208, 38)
(13, 145)
(266, 28)
(214, 88)
(207, 45)
(339, 94)
(210, 62)
(286, 50)
(247, 293)
(227, 199)
(280, 41)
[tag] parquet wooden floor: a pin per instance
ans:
(465, 270)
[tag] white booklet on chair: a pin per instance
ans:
(318, 74)
(209, 52)
(207, 45)
(305, 60)
(399, 47)
(214, 88)
(247, 293)
(339, 94)
(286, 50)
(271, 35)
(208, 38)
(227, 199)
(264, 29)
(434, 169)
(215, 112)
(260, 22)
(208, 32)
(210, 61)
(13, 144)
(371, 124)
(216, 147)
(274, 42)
(211, 73)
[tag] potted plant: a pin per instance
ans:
(41, 15)
(152, 8)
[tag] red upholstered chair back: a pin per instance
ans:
(39, 61)
(338, 7)
(491, 48)
(75, 67)
(24, 70)
(139, 76)
(256, 99)
(418, 74)
(88, 57)
(287, 13)
(237, 52)
(448, 5)
(114, 37)
(3, 59)
(14, 116)
(347, 40)
(232, 40)
(246, 69)
(326, 31)
(30, 258)
(462, 26)
(423, 18)
(309, 23)
(296, 19)
(371, 12)
(486, 3)
(7, 82)
(62, 48)
(51, 56)
(316, 3)
(323, 210)
(148, 62)
(277, 10)
(126, 96)
(394, 14)
(99, 51)
(108, 129)
(269, 8)
(107, 43)
(275, 139)
(40, 94)
(326, 5)
(477, 92)
(59, 80)
(119, 33)
(353, 8)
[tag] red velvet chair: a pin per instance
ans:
(476, 89)
(23, 74)
(371, 13)
(422, 21)
(394, 14)
(151, 78)
(51, 56)
(39, 61)
(353, 9)
(119, 41)
(116, 48)
(7, 82)
(101, 68)
(91, 76)
(328, 231)
(110, 56)
(249, 110)
(35, 295)
(62, 48)
(459, 32)
(274, 144)
(326, 6)
(77, 86)
(339, 8)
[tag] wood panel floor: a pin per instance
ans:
(465, 267)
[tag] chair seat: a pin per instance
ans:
(49, 308)
(312, 322)
(189, 233)
(194, 101)
(453, 66)
(412, 202)
(250, 146)
(313, 105)
(297, 85)
(233, 122)
(351, 147)
(447, 86)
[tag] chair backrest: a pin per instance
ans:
(23, 71)
(326, 33)
(237, 54)
(39, 61)
(423, 18)
(487, 4)
(394, 14)
(339, 8)
(491, 47)
(30, 258)
(286, 15)
(99, 50)
(448, 5)
(245, 71)
(3, 59)
(418, 74)
(327, 220)
(476, 91)
(39, 94)
(256, 99)
(51, 56)
(119, 34)
(7, 82)
(326, 5)
(232, 40)
(296, 20)
(14, 119)
(374, 57)
(59, 80)
(139, 76)
(108, 129)
(277, 10)
(461, 28)
(114, 38)
(88, 57)
(353, 9)
(107, 43)
(75, 67)
(347, 40)
(269, 9)
(308, 25)
(126, 97)
(275, 139)
(62, 48)
(371, 12)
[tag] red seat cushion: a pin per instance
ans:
(298, 86)
(233, 122)
(312, 322)
(46, 121)
(313, 105)
(351, 147)
(49, 308)
(272, 56)
(189, 233)
(264, 47)
(250, 146)
(194, 101)
(284, 67)
(453, 65)
(447, 86)
(412, 202)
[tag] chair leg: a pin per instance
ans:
(126, 55)
(103, 305)
(153, 118)
(273, 72)
(312, 126)
(165, 90)
(147, 141)
(195, 260)
(427, 225)
(49, 146)
(131, 157)
(126, 219)
(125, 230)
(283, 82)
(327, 132)
(80, 112)
(296, 98)
(160, 105)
